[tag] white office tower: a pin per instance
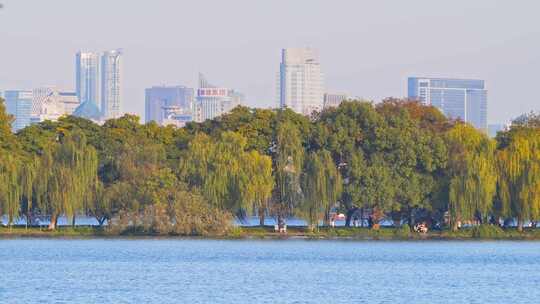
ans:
(19, 104)
(111, 83)
(301, 85)
(213, 101)
(87, 77)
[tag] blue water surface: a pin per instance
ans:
(248, 271)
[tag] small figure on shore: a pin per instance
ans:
(420, 228)
(355, 221)
(333, 221)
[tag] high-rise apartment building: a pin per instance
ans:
(111, 83)
(19, 104)
(301, 86)
(213, 101)
(87, 77)
(158, 98)
(464, 99)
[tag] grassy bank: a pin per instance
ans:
(387, 233)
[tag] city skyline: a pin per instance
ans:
(300, 87)
(368, 55)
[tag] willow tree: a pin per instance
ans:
(313, 184)
(10, 188)
(321, 183)
(228, 176)
(204, 168)
(66, 176)
(472, 174)
(519, 174)
(27, 178)
(259, 182)
(288, 161)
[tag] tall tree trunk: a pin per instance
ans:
(348, 216)
(409, 218)
(54, 222)
(326, 221)
(280, 221)
(520, 224)
(261, 216)
(455, 225)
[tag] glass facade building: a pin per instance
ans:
(19, 105)
(464, 99)
(111, 83)
(87, 77)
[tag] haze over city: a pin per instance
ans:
(367, 49)
(269, 151)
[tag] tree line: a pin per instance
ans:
(397, 159)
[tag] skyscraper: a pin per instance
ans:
(19, 104)
(213, 101)
(301, 85)
(158, 98)
(464, 99)
(111, 83)
(87, 77)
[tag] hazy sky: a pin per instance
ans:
(367, 48)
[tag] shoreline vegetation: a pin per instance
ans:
(484, 232)
(397, 161)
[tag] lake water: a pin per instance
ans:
(215, 271)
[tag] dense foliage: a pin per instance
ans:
(397, 160)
